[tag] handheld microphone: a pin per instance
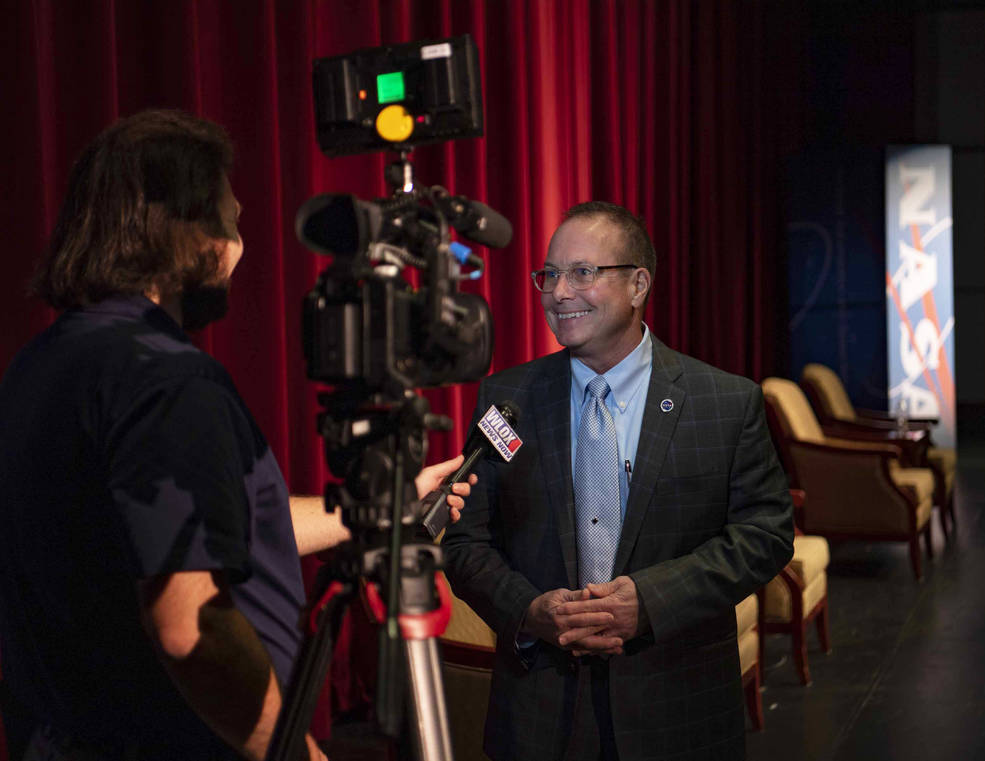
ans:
(476, 221)
(494, 432)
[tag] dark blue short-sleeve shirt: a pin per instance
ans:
(127, 453)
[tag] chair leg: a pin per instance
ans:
(928, 541)
(823, 632)
(754, 699)
(915, 559)
(942, 515)
(940, 498)
(761, 628)
(799, 637)
(762, 653)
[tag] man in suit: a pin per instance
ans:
(645, 502)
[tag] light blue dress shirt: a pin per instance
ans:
(628, 383)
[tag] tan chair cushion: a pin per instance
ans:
(830, 387)
(920, 479)
(779, 607)
(748, 650)
(796, 409)
(466, 626)
(810, 557)
(746, 613)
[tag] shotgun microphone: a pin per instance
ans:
(494, 432)
(476, 221)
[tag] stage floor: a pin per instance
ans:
(906, 676)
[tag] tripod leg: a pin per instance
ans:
(427, 698)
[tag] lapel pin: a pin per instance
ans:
(667, 405)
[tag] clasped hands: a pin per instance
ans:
(596, 620)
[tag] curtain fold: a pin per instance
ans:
(665, 107)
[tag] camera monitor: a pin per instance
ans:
(398, 96)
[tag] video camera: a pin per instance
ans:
(365, 326)
(374, 337)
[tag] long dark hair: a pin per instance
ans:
(141, 207)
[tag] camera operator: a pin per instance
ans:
(150, 586)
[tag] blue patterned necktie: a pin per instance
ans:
(597, 506)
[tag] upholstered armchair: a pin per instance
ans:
(857, 489)
(467, 647)
(834, 409)
(797, 596)
(747, 621)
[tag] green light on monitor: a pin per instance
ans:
(390, 87)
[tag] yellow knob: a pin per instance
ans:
(393, 123)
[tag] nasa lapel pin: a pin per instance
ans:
(667, 405)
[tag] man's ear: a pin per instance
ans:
(641, 285)
(217, 248)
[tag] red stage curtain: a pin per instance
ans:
(665, 107)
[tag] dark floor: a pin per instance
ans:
(906, 676)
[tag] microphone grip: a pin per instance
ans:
(435, 503)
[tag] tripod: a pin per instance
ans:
(416, 606)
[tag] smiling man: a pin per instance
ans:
(608, 557)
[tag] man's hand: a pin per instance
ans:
(430, 478)
(618, 598)
(546, 620)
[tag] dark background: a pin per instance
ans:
(709, 118)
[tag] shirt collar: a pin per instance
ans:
(624, 379)
(137, 307)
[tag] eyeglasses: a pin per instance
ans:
(580, 277)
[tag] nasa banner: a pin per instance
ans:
(920, 286)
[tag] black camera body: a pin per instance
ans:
(364, 324)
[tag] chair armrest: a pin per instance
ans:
(851, 488)
(796, 589)
(877, 416)
(466, 654)
(912, 445)
(799, 498)
(856, 447)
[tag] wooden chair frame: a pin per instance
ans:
(878, 455)
(797, 626)
(881, 426)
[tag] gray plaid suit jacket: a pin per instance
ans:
(708, 520)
